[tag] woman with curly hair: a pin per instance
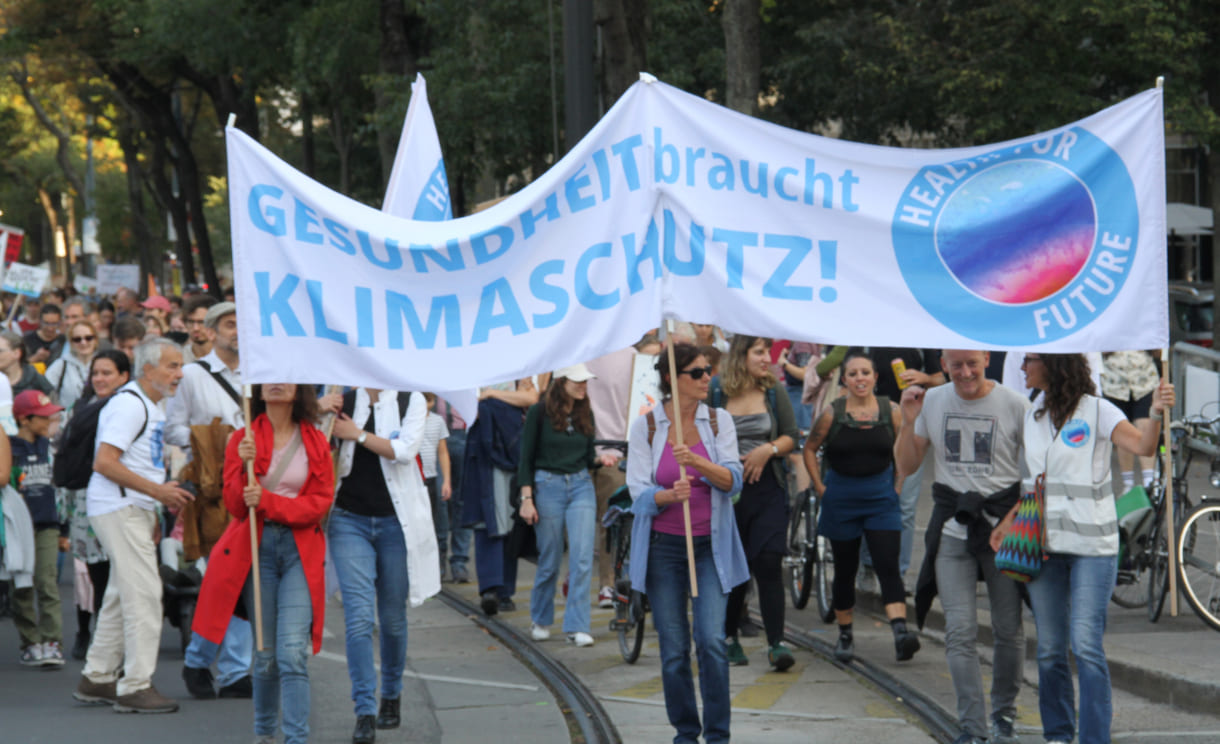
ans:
(766, 434)
(557, 493)
(1068, 441)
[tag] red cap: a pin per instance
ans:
(34, 403)
(157, 302)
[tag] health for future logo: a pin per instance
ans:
(1026, 244)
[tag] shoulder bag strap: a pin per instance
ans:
(224, 384)
(290, 451)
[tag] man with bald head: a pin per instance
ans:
(975, 429)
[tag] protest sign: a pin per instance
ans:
(84, 284)
(11, 239)
(112, 276)
(25, 279)
(676, 207)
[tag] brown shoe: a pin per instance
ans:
(94, 693)
(147, 700)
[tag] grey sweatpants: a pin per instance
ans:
(956, 580)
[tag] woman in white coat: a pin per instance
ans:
(382, 541)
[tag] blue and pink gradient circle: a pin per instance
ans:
(1017, 232)
(1075, 433)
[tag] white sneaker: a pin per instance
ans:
(52, 655)
(31, 655)
(539, 632)
(605, 598)
(580, 639)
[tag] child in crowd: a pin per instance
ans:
(434, 454)
(40, 628)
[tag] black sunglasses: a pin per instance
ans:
(82, 339)
(697, 373)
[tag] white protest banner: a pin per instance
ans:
(419, 189)
(25, 279)
(84, 284)
(112, 276)
(676, 207)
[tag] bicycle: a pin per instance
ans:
(1198, 554)
(809, 562)
(630, 605)
(1143, 571)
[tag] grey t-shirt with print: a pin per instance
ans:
(976, 444)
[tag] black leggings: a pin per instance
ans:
(884, 546)
(767, 569)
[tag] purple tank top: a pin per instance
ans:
(670, 521)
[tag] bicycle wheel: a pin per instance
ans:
(1198, 552)
(824, 571)
(631, 636)
(800, 568)
(628, 625)
(1157, 575)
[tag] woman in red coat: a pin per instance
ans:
(294, 489)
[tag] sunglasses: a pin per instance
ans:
(82, 339)
(697, 373)
(1030, 359)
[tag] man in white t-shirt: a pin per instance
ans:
(975, 429)
(434, 456)
(128, 481)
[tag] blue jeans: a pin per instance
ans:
(281, 674)
(564, 500)
(1070, 597)
(496, 570)
(232, 655)
(370, 557)
(459, 537)
(668, 586)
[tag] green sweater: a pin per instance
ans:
(543, 448)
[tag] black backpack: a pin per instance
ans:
(73, 464)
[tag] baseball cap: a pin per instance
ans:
(575, 373)
(34, 403)
(157, 302)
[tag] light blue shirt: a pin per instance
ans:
(642, 461)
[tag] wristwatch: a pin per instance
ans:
(363, 436)
(774, 450)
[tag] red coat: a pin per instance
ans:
(229, 562)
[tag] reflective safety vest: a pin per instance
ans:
(1081, 518)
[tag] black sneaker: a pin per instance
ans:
(366, 730)
(241, 689)
(199, 683)
(905, 646)
(489, 602)
(507, 605)
(1003, 731)
(845, 649)
(389, 716)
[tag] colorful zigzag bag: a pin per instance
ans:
(1024, 548)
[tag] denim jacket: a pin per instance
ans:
(642, 462)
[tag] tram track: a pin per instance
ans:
(587, 719)
(940, 723)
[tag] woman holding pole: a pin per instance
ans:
(684, 538)
(288, 494)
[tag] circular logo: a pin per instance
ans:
(1075, 433)
(1022, 245)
